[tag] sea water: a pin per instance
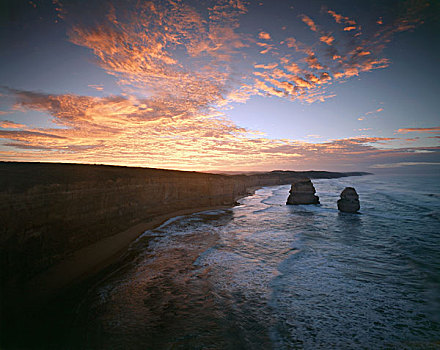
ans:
(263, 275)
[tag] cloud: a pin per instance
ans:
(341, 19)
(96, 87)
(435, 129)
(267, 66)
(373, 113)
(143, 49)
(129, 131)
(328, 39)
(307, 71)
(264, 36)
(401, 164)
(7, 124)
(179, 68)
(307, 20)
(25, 134)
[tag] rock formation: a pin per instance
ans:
(302, 192)
(349, 201)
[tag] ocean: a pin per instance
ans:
(263, 275)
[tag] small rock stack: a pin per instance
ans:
(302, 192)
(349, 201)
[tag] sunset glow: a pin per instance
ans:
(186, 84)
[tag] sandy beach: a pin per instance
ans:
(90, 260)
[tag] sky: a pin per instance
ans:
(226, 85)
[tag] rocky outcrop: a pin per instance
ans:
(349, 202)
(303, 192)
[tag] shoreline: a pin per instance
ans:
(68, 225)
(52, 296)
(89, 261)
(52, 212)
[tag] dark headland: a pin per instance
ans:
(62, 223)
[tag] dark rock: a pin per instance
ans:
(349, 201)
(302, 192)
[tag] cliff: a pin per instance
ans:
(50, 211)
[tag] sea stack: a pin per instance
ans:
(349, 201)
(302, 192)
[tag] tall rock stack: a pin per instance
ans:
(349, 201)
(303, 192)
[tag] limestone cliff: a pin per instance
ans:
(48, 211)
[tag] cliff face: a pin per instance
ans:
(50, 210)
(43, 223)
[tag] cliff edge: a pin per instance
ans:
(52, 211)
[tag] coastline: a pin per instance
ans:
(52, 296)
(66, 224)
(91, 260)
(41, 303)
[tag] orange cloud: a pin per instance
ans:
(370, 113)
(264, 36)
(313, 62)
(268, 66)
(7, 124)
(308, 77)
(435, 129)
(292, 67)
(341, 19)
(307, 20)
(130, 47)
(130, 136)
(96, 87)
(364, 53)
(291, 42)
(178, 69)
(328, 39)
(130, 133)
